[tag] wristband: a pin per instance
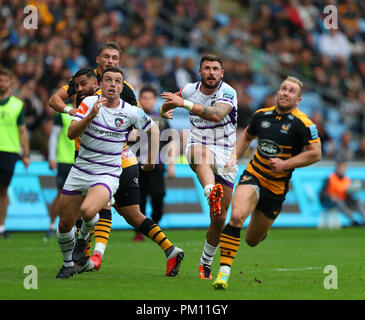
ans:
(67, 109)
(188, 105)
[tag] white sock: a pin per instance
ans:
(2, 228)
(208, 254)
(207, 189)
(225, 269)
(87, 226)
(99, 247)
(66, 242)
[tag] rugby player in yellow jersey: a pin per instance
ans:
(282, 132)
(127, 197)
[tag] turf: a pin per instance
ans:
(288, 265)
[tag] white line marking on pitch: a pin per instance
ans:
(298, 269)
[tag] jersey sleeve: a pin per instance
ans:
(252, 125)
(21, 118)
(308, 133)
(187, 91)
(140, 119)
(70, 87)
(228, 96)
(128, 95)
(84, 108)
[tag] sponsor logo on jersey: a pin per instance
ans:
(265, 124)
(228, 94)
(83, 108)
(269, 148)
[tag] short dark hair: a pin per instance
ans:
(88, 72)
(6, 72)
(148, 88)
(110, 45)
(112, 69)
(211, 57)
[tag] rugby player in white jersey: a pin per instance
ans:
(212, 106)
(103, 122)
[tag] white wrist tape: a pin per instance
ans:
(67, 109)
(188, 105)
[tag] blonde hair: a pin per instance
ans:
(297, 81)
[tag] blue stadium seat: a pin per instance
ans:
(335, 130)
(310, 101)
(258, 94)
(332, 115)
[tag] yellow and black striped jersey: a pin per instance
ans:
(279, 135)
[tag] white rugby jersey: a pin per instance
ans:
(103, 141)
(219, 134)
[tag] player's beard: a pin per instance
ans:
(3, 91)
(211, 86)
(79, 98)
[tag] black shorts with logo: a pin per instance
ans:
(270, 204)
(7, 166)
(128, 193)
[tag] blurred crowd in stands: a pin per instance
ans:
(162, 41)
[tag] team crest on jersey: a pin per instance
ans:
(265, 124)
(118, 122)
(285, 128)
(246, 178)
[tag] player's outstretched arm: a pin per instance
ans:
(57, 102)
(311, 155)
(213, 113)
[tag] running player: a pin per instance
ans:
(127, 197)
(103, 122)
(13, 135)
(212, 106)
(282, 132)
(108, 56)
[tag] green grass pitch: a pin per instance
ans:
(289, 264)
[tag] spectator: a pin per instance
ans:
(337, 193)
(344, 150)
(335, 45)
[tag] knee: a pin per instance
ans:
(87, 212)
(251, 242)
(65, 225)
(237, 219)
(219, 221)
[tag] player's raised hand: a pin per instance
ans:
(168, 115)
(172, 99)
(97, 105)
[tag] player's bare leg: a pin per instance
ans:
(244, 202)
(96, 198)
(201, 161)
